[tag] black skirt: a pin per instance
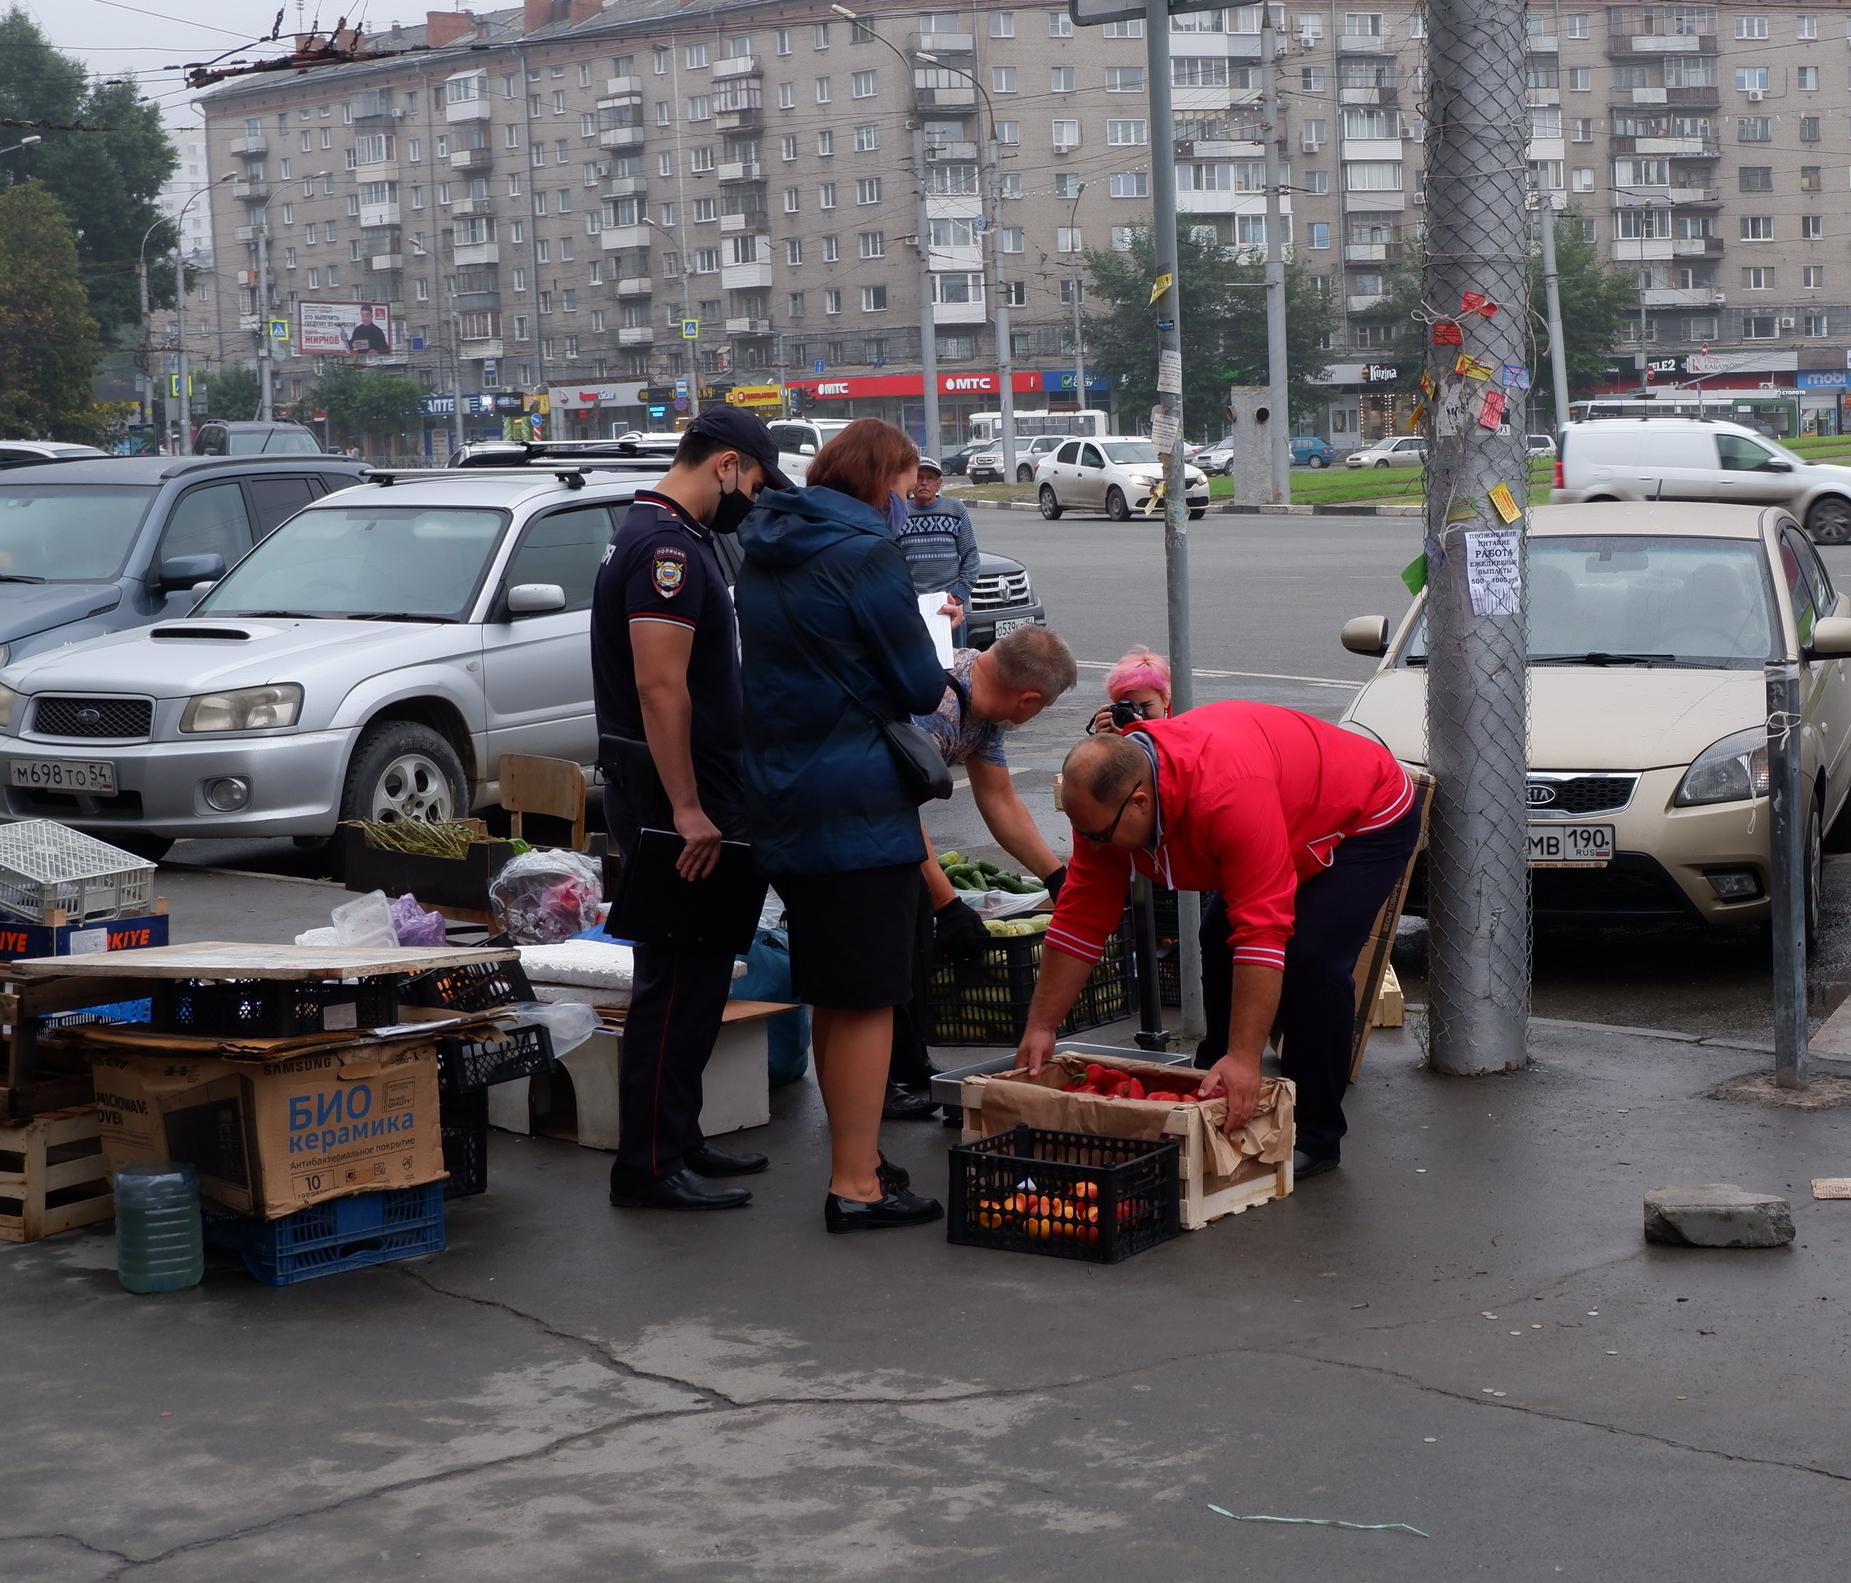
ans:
(852, 935)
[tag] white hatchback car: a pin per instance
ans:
(1115, 473)
(1407, 450)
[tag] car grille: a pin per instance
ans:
(1002, 592)
(1580, 794)
(115, 718)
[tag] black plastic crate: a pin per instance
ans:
(497, 1055)
(986, 1000)
(469, 986)
(1064, 1194)
(463, 1121)
(271, 1008)
(342, 1234)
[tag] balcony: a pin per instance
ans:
(953, 99)
(745, 220)
(622, 88)
(472, 102)
(636, 335)
(634, 286)
(1676, 296)
(747, 277)
(247, 233)
(1382, 93)
(738, 66)
(472, 159)
(1364, 44)
(621, 238)
(960, 312)
(1669, 147)
(950, 152)
(488, 348)
(250, 147)
(1697, 247)
(1371, 202)
(378, 214)
(377, 104)
(381, 262)
(1695, 197)
(1655, 46)
(468, 253)
(486, 300)
(748, 326)
(943, 44)
(463, 208)
(621, 137)
(1373, 148)
(1706, 97)
(627, 187)
(1543, 98)
(1633, 197)
(1364, 301)
(1370, 252)
(1542, 44)
(740, 170)
(251, 191)
(740, 115)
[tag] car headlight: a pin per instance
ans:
(8, 701)
(1732, 770)
(246, 709)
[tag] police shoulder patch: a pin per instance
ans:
(668, 569)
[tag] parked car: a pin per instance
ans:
(219, 438)
(1001, 600)
(957, 463)
(35, 453)
(1114, 474)
(801, 438)
(1649, 627)
(1215, 459)
(1409, 450)
(987, 465)
(1539, 447)
(1700, 459)
(1309, 450)
(95, 546)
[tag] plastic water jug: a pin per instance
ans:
(159, 1247)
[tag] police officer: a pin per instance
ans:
(665, 678)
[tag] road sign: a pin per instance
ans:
(417, 343)
(279, 329)
(819, 367)
(690, 329)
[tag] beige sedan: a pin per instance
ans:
(1649, 628)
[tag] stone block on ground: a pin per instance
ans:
(1717, 1215)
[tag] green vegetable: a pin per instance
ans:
(950, 859)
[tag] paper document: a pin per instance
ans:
(939, 626)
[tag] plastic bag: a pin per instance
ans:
(768, 977)
(365, 921)
(569, 1022)
(542, 897)
(414, 926)
(326, 935)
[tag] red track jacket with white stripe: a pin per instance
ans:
(1253, 800)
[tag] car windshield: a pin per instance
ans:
(271, 442)
(69, 533)
(1634, 599)
(352, 560)
(1131, 451)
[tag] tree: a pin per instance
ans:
(49, 349)
(362, 403)
(1223, 323)
(232, 392)
(108, 182)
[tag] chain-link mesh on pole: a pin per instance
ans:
(1477, 251)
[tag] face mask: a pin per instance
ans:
(734, 507)
(898, 513)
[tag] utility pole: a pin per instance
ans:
(1079, 330)
(1552, 295)
(1005, 347)
(266, 375)
(147, 345)
(928, 316)
(1278, 389)
(1167, 305)
(183, 441)
(1477, 280)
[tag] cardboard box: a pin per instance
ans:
(18, 939)
(271, 1137)
(1372, 966)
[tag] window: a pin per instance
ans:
(519, 279)
(1317, 182)
(1124, 79)
(1066, 134)
(1126, 134)
(832, 250)
(826, 195)
(793, 251)
(559, 101)
(1759, 327)
(787, 147)
(832, 302)
(1580, 79)
(1009, 133)
(1818, 325)
(665, 164)
(1805, 27)
(211, 520)
(1754, 129)
(867, 138)
(1756, 178)
(793, 305)
(1756, 278)
(1066, 185)
(864, 84)
(1757, 228)
(873, 299)
(1134, 28)
(868, 190)
(1129, 184)
(1318, 235)
(1372, 175)
(694, 56)
(781, 41)
(1060, 24)
(873, 244)
(1812, 228)
(1806, 79)
(1581, 129)
(787, 96)
(1060, 79)
(822, 90)
(1809, 178)
(1813, 276)
(700, 108)
(1575, 25)
(1311, 79)
(1583, 179)
(706, 211)
(1809, 129)
(1014, 239)
(1067, 239)
(1751, 27)
(1002, 24)
(819, 35)
(706, 261)
(701, 159)
(1751, 79)
(1002, 79)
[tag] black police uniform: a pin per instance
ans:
(661, 567)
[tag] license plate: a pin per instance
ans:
(1004, 628)
(1571, 845)
(66, 775)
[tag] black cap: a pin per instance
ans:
(745, 433)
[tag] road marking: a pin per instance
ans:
(1253, 676)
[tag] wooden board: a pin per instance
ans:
(1391, 1007)
(53, 1175)
(228, 959)
(554, 788)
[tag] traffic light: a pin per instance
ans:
(797, 399)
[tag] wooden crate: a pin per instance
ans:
(1204, 1199)
(1391, 1006)
(53, 1175)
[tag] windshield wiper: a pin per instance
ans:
(395, 615)
(1603, 657)
(261, 615)
(19, 577)
(1415, 659)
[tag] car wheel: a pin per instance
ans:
(150, 848)
(404, 771)
(1829, 521)
(1198, 513)
(1318, 461)
(1115, 505)
(1025, 475)
(1815, 878)
(1050, 503)
(1383, 462)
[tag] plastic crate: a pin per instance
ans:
(342, 1234)
(985, 1001)
(271, 1008)
(469, 986)
(463, 1120)
(497, 1056)
(1096, 1199)
(46, 868)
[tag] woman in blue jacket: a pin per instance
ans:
(826, 603)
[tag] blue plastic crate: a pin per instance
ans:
(342, 1234)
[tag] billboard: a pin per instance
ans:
(329, 327)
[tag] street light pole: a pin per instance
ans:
(1278, 392)
(185, 437)
(1079, 332)
(456, 346)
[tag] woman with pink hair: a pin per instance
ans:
(1139, 689)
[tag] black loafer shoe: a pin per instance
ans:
(683, 1190)
(893, 1176)
(1306, 1164)
(902, 1104)
(897, 1208)
(710, 1161)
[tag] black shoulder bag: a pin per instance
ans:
(923, 772)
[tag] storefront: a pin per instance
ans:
(484, 412)
(1057, 383)
(597, 412)
(900, 399)
(1363, 403)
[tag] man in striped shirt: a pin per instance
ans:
(1301, 828)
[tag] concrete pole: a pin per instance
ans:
(1168, 311)
(928, 315)
(1278, 389)
(1788, 815)
(1079, 328)
(266, 367)
(1552, 295)
(1477, 240)
(1005, 350)
(147, 344)
(183, 441)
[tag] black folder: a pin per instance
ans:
(654, 905)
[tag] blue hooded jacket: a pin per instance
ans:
(823, 795)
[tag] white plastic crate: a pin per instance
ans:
(46, 868)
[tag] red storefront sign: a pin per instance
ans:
(1027, 382)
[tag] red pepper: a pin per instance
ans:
(1095, 1073)
(1136, 1089)
(1164, 1096)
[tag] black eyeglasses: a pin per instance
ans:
(1101, 837)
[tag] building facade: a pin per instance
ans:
(636, 207)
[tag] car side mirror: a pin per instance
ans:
(183, 571)
(1369, 635)
(806, 449)
(1777, 466)
(1831, 638)
(536, 599)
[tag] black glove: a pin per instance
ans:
(958, 933)
(1054, 882)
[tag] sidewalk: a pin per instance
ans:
(1227, 508)
(1461, 1330)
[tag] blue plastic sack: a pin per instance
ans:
(768, 977)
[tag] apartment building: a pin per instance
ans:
(632, 205)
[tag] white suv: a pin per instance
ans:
(988, 463)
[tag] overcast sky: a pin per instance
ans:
(145, 37)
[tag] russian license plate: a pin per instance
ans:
(1004, 628)
(65, 775)
(1571, 845)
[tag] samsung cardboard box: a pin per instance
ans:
(270, 1137)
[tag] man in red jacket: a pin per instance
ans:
(1301, 827)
